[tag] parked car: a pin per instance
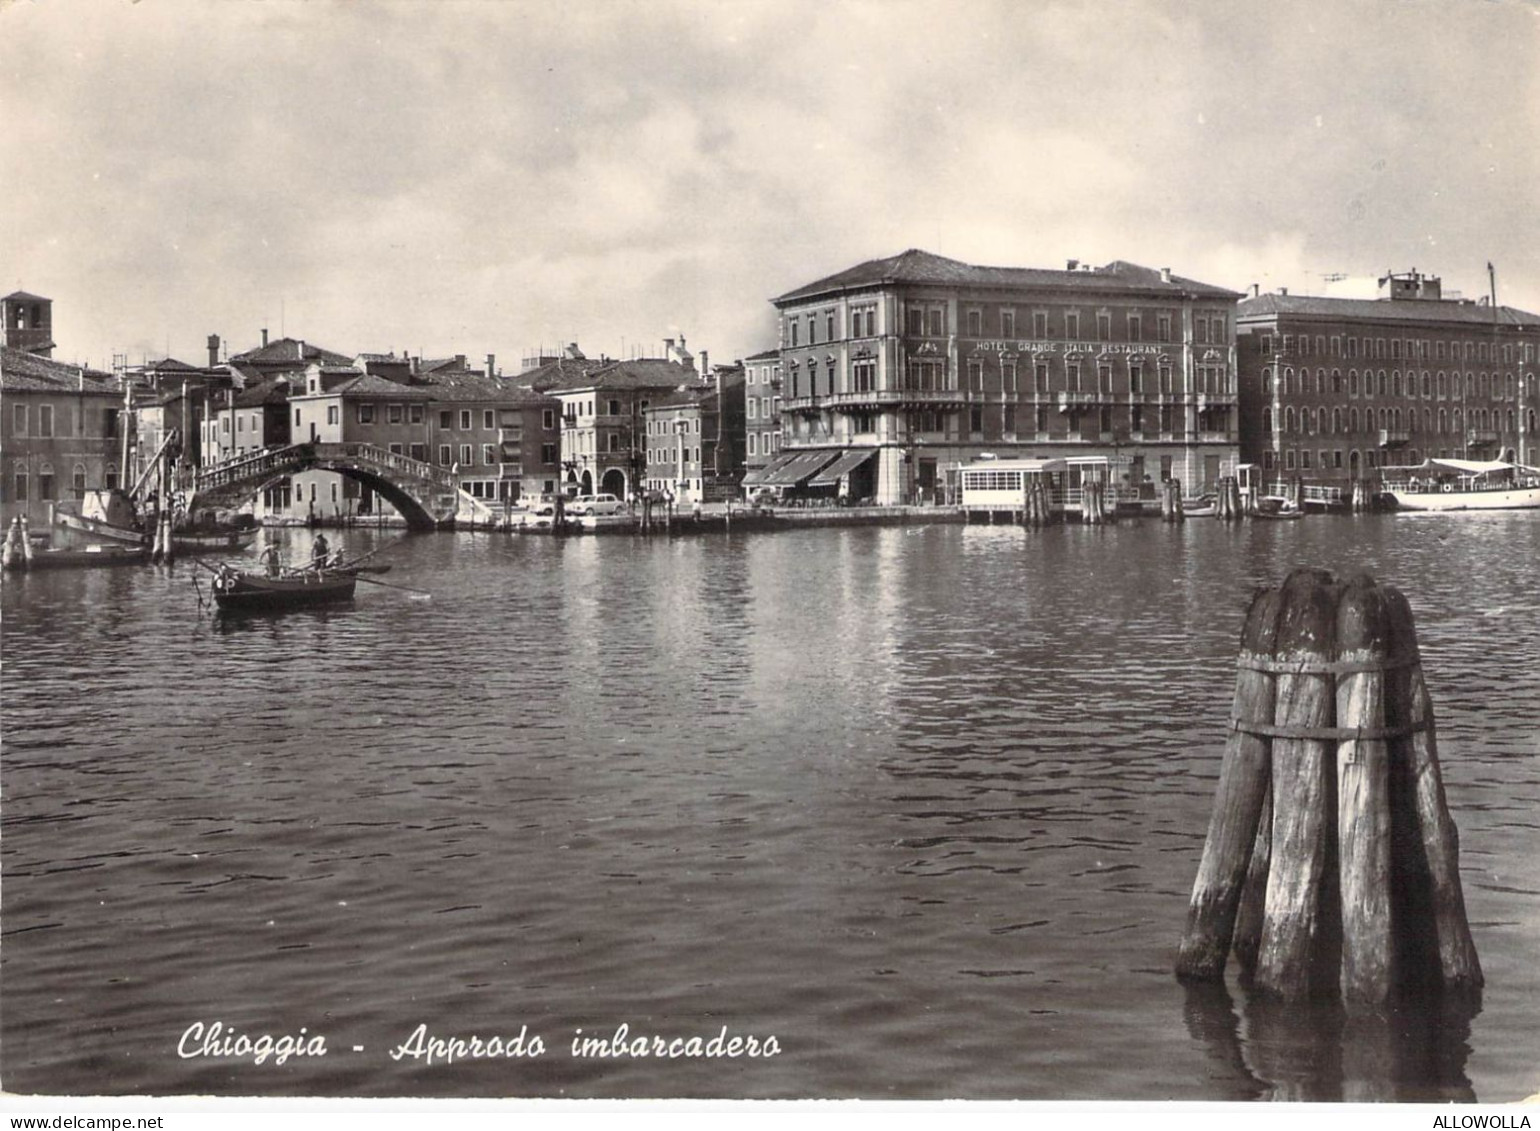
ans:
(542, 516)
(595, 504)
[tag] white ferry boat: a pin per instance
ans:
(1462, 485)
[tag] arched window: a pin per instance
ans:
(1336, 381)
(1352, 382)
(1458, 421)
(78, 481)
(1267, 381)
(1352, 420)
(45, 482)
(1320, 380)
(1288, 381)
(1395, 383)
(1288, 419)
(1336, 420)
(1427, 387)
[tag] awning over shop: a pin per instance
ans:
(762, 474)
(803, 466)
(847, 462)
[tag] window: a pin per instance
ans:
(467, 456)
(547, 419)
(1104, 327)
(489, 453)
(19, 492)
(416, 414)
(465, 424)
(419, 452)
(446, 418)
(975, 323)
(828, 326)
(1072, 381)
(19, 420)
(394, 414)
(333, 414)
(1163, 327)
(1040, 378)
(1104, 380)
(45, 422)
(976, 418)
(1136, 378)
(1039, 323)
(395, 450)
(614, 408)
(976, 377)
(445, 455)
(296, 418)
(1007, 323)
(240, 423)
(1072, 326)
(1135, 328)
(547, 453)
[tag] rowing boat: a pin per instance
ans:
(239, 590)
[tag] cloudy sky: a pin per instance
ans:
(490, 177)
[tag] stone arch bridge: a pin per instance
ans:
(428, 497)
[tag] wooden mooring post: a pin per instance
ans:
(1331, 864)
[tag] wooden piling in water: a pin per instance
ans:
(1434, 839)
(1305, 703)
(1243, 784)
(1363, 793)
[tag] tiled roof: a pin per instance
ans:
(767, 355)
(23, 296)
(641, 373)
(21, 371)
(468, 385)
(560, 372)
(269, 390)
(370, 385)
(287, 351)
(167, 363)
(1384, 310)
(922, 267)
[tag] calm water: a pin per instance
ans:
(925, 804)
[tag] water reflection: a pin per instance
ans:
(1413, 1052)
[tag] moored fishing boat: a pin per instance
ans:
(112, 517)
(1275, 508)
(1462, 485)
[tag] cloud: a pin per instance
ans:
(473, 177)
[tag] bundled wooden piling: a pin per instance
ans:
(1331, 849)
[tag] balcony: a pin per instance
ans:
(877, 398)
(1390, 438)
(1215, 400)
(1481, 436)
(1070, 400)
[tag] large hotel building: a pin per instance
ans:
(1334, 388)
(897, 371)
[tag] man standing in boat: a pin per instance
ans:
(269, 559)
(319, 552)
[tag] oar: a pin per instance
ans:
(393, 585)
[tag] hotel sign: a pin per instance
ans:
(1135, 348)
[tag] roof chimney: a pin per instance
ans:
(705, 369)
(213, 350)
(1256, 290)
(491, 365)
(1072, 265)
(1284, 291)
(1165, 274)
(264, 337)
